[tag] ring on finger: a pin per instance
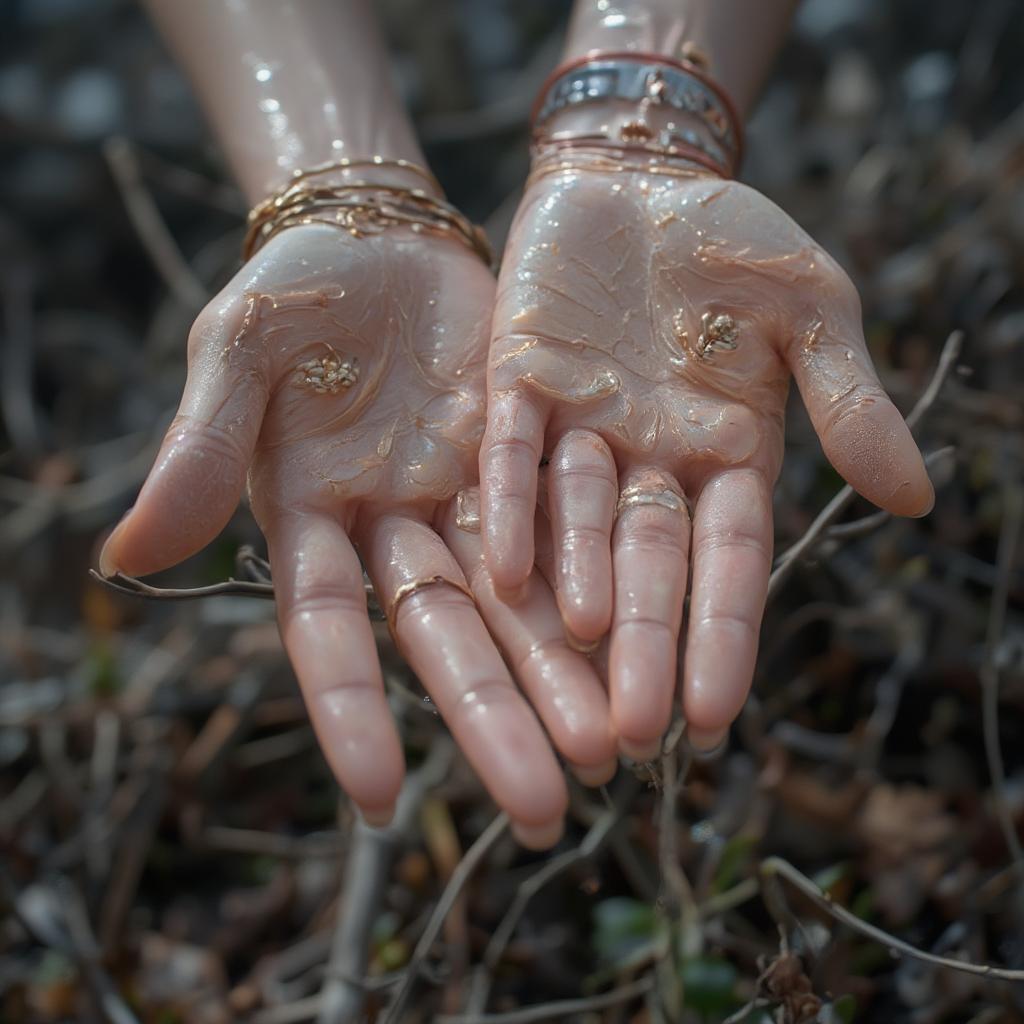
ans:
(644, 494)
(411, 587)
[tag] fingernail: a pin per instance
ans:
(583, 646)
(707, 745)
(512, 595)
(596, 775)
(649, 751)
(925, 512)
(377, 817)
(108, 567)
(538, 837)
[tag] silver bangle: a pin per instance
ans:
(640, 78)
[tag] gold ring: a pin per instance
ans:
(637, 495)
(414, 586)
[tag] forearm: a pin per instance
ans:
(738, 37)
(289, 84)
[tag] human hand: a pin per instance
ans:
(345, 378)
(645, 330)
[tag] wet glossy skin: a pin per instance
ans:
(343, 379)
(645, 330)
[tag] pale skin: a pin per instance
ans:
(606, 360)
(342, 380)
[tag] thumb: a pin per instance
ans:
(862, 432)
(195, 484)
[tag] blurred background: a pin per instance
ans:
(172, 847)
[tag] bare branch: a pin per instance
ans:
(366, 876)
(561, 1008)
(460, 876)
(595, 838)
(776, 866)
(135, 587)
(1009, 537)
(150, 226)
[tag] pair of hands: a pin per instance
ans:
(355, 382)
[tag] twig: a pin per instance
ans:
(774, 866)
(595, 838)
(150, 226)
(788, 560)
(366, 876)
(135, 587)
(69, 934)
(460, 876)
(1009, 536)
(17, 408)
(560, 1008)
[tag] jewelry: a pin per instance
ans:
(566, 156)
(329, 373)
(414, 586)
(653, 81)
(467, 510)
(718, 332)
(637, 495)
(360, 207)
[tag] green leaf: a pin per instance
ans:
(844, 1009)
(828, 878)
(709, 984)
(735, 857)
(623, 926)
(102, 674)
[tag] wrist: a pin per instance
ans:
(645, 102)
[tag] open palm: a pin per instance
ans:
(344, 379)
(645, 331)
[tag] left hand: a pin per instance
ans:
(343, 378)
(645, 330)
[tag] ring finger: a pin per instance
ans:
(650, 548)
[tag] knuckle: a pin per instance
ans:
(728, 620)
(662, 531)
(213, 439)
(326, 596)
(540, 651)
(513, 449)
(652, 626)
(742, 535)
(485, 693)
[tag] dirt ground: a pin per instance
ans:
(172, 846)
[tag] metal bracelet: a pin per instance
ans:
(655, 81)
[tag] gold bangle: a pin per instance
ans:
(587, 152)
(347, 164)
(360, 207)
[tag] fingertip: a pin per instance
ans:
(108, 561)
(509, 567)
(640, 750)
(706, 741)
(711, 705)
(593, 776)
(538, 837)
(378, 817)
(873, 449)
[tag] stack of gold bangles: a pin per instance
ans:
(361, 207)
